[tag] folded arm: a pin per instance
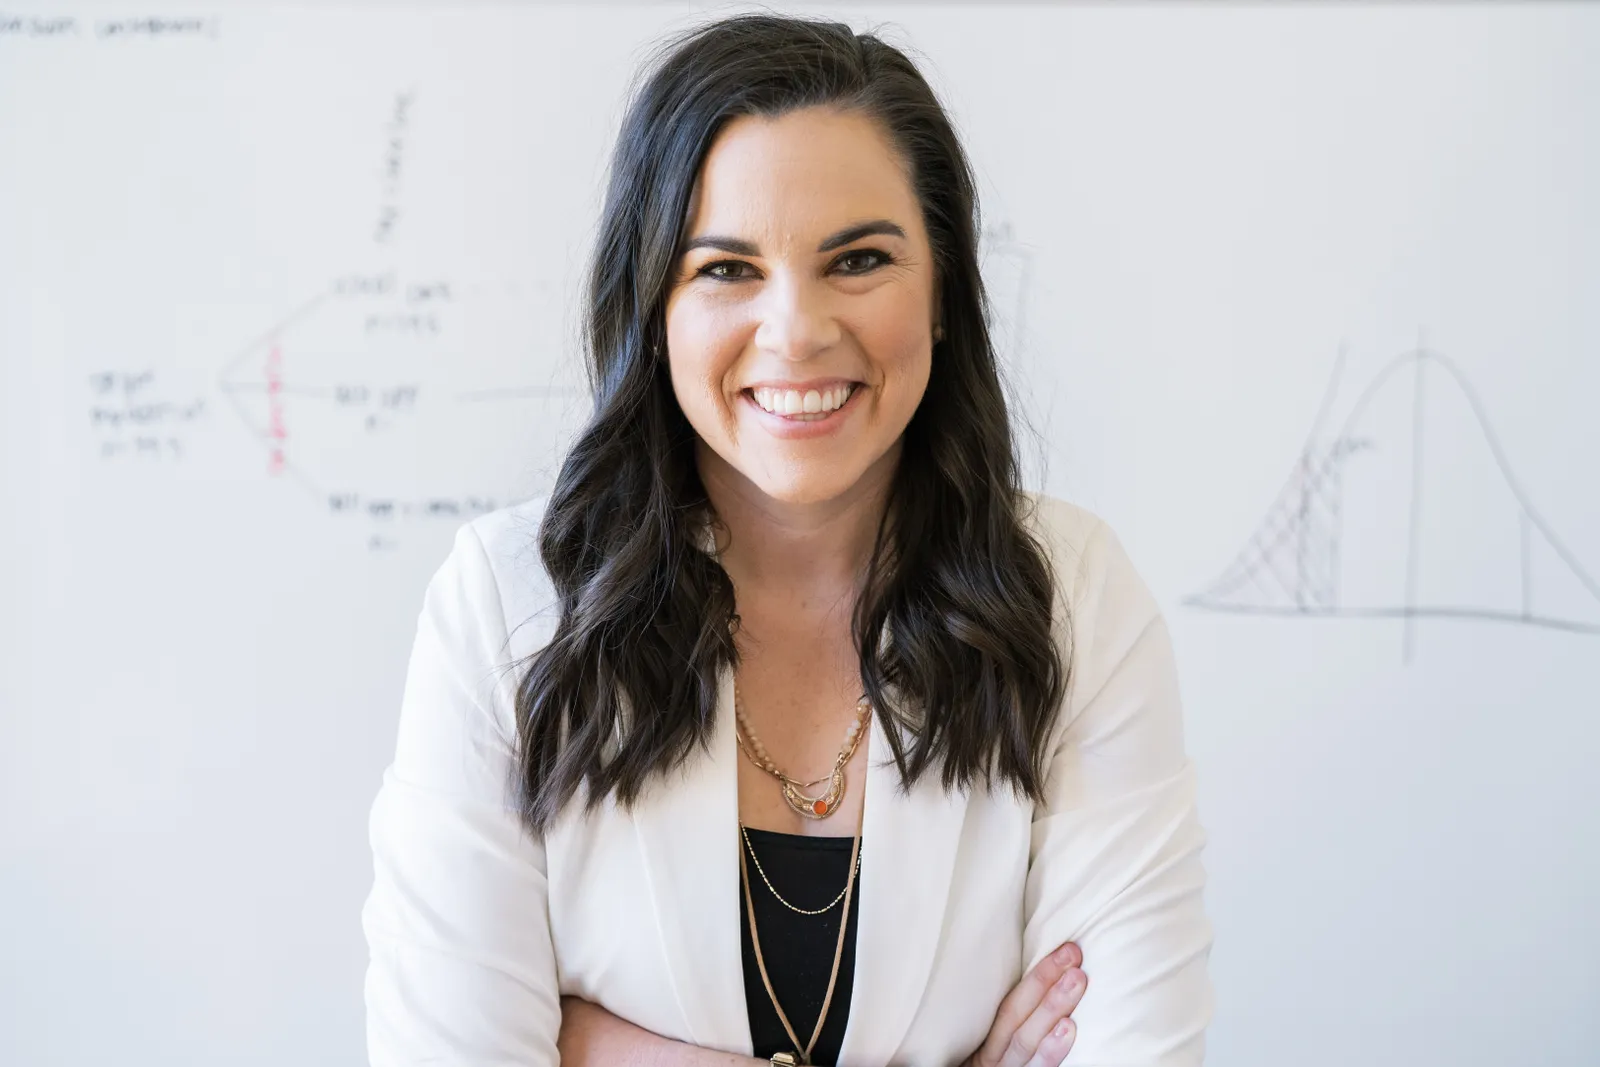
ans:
(1115, 861)
(593, 1037)
(462, 969)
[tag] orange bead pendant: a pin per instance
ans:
(816, 807)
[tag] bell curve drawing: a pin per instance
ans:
(1411, 510)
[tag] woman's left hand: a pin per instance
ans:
(1034, 1026)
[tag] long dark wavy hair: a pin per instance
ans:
(627, 686)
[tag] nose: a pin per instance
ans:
(797, 319)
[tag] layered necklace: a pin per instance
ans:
(803, 1052)
(812, 807)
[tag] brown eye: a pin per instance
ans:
(863, 260)
(724, 270)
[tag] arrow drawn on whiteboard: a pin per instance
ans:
(308, 391)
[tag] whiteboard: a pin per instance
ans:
(1303, 300)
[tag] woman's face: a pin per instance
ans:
(799, 322)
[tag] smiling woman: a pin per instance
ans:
(810, 734)
(800, 361)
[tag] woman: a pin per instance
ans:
(807, 734)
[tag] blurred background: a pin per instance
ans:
(1303, 298)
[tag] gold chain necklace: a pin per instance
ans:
(818, 807)
(803, 911)
(838, 951)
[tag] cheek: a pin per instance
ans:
(703, 345)
(896, 336)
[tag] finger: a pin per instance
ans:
(1022, 1000)
(1027, 994)
(1059, 1002)
(1056, 1044)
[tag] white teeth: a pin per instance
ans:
(794, 402)
(834, 398)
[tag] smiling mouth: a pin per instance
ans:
(813, 405)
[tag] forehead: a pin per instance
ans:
(799, 175)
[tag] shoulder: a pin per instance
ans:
(1104, 607)
(496, 558)
(510, 540)
(1065, 530)
(1088, 557)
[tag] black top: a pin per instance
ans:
(798, 949)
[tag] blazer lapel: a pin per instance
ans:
(688, 832)
(908, 853)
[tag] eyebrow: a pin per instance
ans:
(740, 247)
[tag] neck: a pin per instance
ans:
(793, 550)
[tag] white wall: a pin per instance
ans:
(1194, 210)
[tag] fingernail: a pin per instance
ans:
(1069, 981)
(1063, 954)
(1061, 1028)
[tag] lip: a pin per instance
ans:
(819, 384)
(792, 430)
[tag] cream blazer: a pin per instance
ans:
(475, 928)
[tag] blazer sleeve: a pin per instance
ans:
(1115, 857)
(461, 970)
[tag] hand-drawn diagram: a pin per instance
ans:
(342, 430)
(382, 393)
(1449, 533)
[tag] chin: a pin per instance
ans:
(803, 490)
